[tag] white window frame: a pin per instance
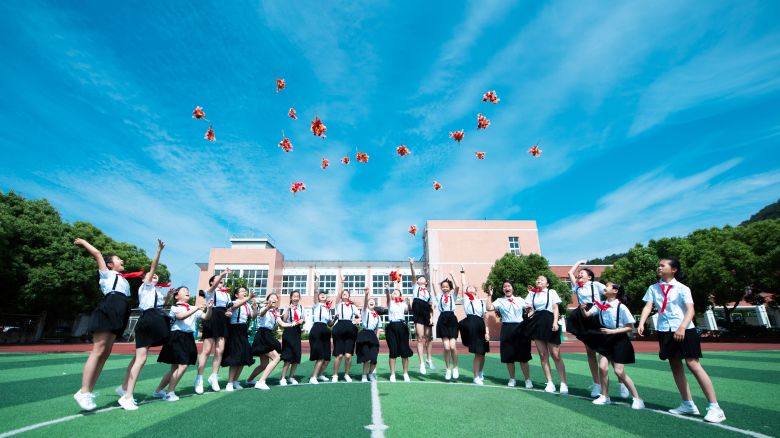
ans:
(514, 245)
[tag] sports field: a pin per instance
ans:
(36, 399)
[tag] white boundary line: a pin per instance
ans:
(378, 427)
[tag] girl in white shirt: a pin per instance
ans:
(447, 324)
(397, 331)
(238, 352)
(677, 337)
(215, 331)
(515, 346)
(588, 292)
(291, 338)
(473, 330)
(180, 350)
(613, 344)
(319, 335)
(344, 334)
(367, 343)
(422, 313)
(265, 344)
(544, 330)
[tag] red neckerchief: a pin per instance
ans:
(185, 305)
(603, 307)
(347, 303)
(398, 299)
(162, 285)
(447, 298)
(374, 314)
(470, 296)
(511, 300)
(665, 291)
(535, 290)
(133, 274)
(424, 291)
(580, 284)
(295, 313)
(223, 289)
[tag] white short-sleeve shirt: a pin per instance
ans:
(422, 292)
(589, 292)
(220, 298)
(511, 308)
(396, 311)
(547, 299)
(473, 307)
(346, 312)
(371, 319)
(678, 296)
(150, 296)
(241, 314)
(268, 321)
(112, 281)
(609, 317)
(292, 310)
(447, 302)
(320, 313)
(187, 324)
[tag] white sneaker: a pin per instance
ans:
(511, 383)
(448, 374)
(407, 379)
(601, 400)
(127, 404)
(715, 415)
(199, 385)
(229, 387)
(282, 382)
(481, 376)
(323, 378)
(159, 394)
(564, 389)
(549, 387)
(335, 378)
(293, 381)
(430, 364)
(120, 391)
(637, 404)
(347, 378)
(529, 384)
(478, 381)
(392, 378)
(85, 401)
(364, 379)
(171, 397)
(214, 382)
(684, 409)
(261, 385)
(422, 369)
(595, 390)
(314, 381)
(455, 373)
(624, 391)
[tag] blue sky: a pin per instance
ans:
(655, 118)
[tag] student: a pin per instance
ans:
(238, 352)
(291, 338)
(265, 344)
(588, 292)
(344, 334)
(319, 335)
(367, 344)
(215, 330)
(180, 350)
(515, 346)
(677, 338)
(447, 324)
(397, 331)
(151, 330)
(544, 330)
(473, 330)
(422, 310)
(613, 343)
(109, 320)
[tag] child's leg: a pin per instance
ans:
(623, 377)
(203, 356)
(604, 375)
(593, 364)
(454, 351)
(405, 364)
(511, 368)
(679, 378)
(447, 354)
(347, 363)
(166, 379)
(336, 363)
(135, 371)
(293, 366)
(259, 369)
(275, 358)
(218, 351)
(101, 349)
(703, 378)
(176, 377)
(526, 370)
(392, 366)
(544, 358)
(429, 341)
(324, 367)
(420, 330)
(284, 369)
(555, 352)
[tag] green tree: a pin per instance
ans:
(521, 271)
(635, 271)
(771, 211)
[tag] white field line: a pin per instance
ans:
(377, 426)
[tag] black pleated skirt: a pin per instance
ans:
(344, 337)
(447, 325)
(217, 326)
(472, 334)
(421, 312)
(578, 324)
(111, 315)
(539, 326)
(515, 346)
(616, 347)
(291, 344)
(152, 329)
(237, 348)
(265, 342)
(179, 349)
(689, 348)
(319, 342)
(367, 346)
(397, 337)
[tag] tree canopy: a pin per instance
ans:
(522, 271)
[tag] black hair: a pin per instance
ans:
(448, 281)
(202, 293)
(621, 293)
(679, 275)
(170, 298)
(590, 274)
(549, 283)
(109, 259)
(211, 279)
(295, 291)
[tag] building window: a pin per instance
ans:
(378, 284)
(256, 280)
(407, 284)
(327, 284)
(514, 245)
(355, 283)
(294, 282)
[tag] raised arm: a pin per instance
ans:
(316, 285)
(457, 287)
(366, 297)
(155, 261)
(489, 301)
(221, 277)
(574, 269)
(94, 252)
(239, 302)
(411, 265)
(209, 305)
(341, 291)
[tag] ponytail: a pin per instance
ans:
(679, 275)
(621, 294)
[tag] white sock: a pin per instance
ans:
(688, 403)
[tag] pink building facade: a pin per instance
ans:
(448, 246)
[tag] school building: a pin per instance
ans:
(447, 245)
